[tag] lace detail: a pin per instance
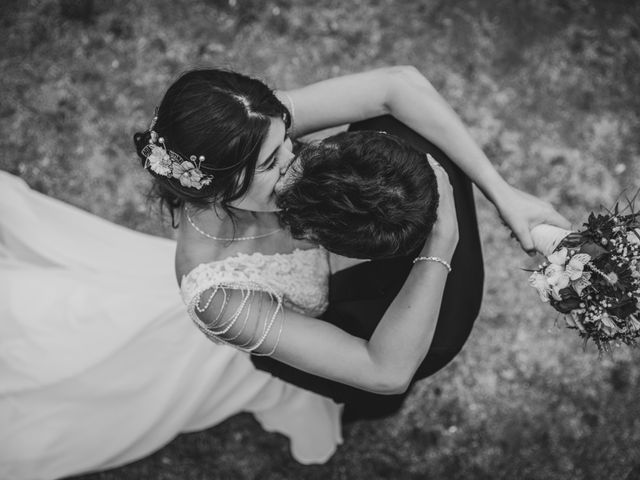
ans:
(297, 280)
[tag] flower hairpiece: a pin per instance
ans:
(165, 162)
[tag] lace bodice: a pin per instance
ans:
(298, 280)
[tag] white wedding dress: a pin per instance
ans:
(100, 364)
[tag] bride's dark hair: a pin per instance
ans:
(361, 194)
(221, 115)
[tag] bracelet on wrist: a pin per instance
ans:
(434, 259)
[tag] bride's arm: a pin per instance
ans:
(407, 95)
(385, 363)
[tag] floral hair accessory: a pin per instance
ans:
(167, 163)
(592, 276)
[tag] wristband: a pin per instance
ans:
(434, 259)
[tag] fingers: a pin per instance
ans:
(441, 173)
(432, 161)
(526, 211)
(446, 213)
(526, 242)
(435, 165)
(523, 236)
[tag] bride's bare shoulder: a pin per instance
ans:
(191, 251)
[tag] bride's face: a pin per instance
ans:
(273, 160)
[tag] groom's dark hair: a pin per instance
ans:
(361, 194)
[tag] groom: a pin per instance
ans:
(360, 295)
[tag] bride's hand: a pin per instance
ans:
(521, 212)
(445, 233)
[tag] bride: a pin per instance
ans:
(96, 344)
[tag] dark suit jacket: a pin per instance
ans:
(359, 296)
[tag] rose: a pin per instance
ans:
(557, 279)
(539, 282)
(560, 274)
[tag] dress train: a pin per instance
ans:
(100, 364)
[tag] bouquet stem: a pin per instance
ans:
(547, 237)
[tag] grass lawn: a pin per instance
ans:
(548, 88)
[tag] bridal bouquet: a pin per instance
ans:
(592, 276)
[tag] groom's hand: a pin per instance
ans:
(446, 225)
(521, 212)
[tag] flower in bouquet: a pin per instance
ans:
(564, 269)
(592, 276)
